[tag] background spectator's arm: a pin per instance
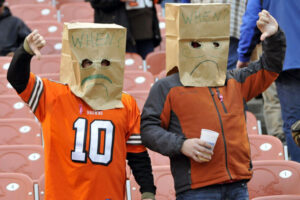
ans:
(250, 34)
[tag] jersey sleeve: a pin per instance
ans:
(134, 140)
(35, 95)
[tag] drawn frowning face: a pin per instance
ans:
(97, 59)
(197, 42)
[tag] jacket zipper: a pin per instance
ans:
(220, 97)
(221, 123)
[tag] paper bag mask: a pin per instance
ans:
(197, 42)
(103, 47)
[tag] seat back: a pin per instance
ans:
(137, 80)
(22, 2)
(274, 177)
(158, 159)
(53, 46)
(140, 96)
(20, 131)
(4, 64)
(156, 62)
(266, 147)
(163, 181)
(34, 12)
(50, 76)
(59, 3)
(133, 61)
(12, 106)
(41, 184)
(251, 123)
(47, 64)
(15, 186)
(279, 197)
(82, 11)
(5, 87)
(47, 28)
(25, 159)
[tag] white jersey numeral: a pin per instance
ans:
(97, 127)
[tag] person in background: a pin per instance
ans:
(288, 82)
(139, 17)
(198, 94)
(13, 31)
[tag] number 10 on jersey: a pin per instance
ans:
(79, 153)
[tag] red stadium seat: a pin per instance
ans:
(15, 186)
(41, 184)
(12, 106)
(4, 64)
(158, 10)
(137, 80)
(34, 12)
(50, 76)
(279, 197)
(140, 97)
(156, 62)
(133, 61)
(161, 75)
(266, 147)
(82, 11)
(59, 3)
(20, 131)
(158, 159)
(53, 46)
(251, 123)
(25, 159)
(163, 181)
(47, 28)
(5, 86)
(47, 64)
(22, 2)
(274, 177)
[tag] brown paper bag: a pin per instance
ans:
(98, 85)
(197, 42)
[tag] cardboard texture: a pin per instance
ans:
(197, 42)
(98, 85)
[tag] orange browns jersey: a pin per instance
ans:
(85, 150)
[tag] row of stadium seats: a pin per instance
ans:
(154, 63)
(48, 20)
(271, 177)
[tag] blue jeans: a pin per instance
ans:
(233, 54)
(228, 191)
(288, 90)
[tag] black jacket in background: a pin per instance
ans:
(114, 11)
(13, 32)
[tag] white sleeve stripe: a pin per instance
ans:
(134, 142)
(135, 137)
(36, 97)
(33, 93)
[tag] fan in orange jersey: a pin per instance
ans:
(90, 127)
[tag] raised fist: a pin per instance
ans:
(267, 24)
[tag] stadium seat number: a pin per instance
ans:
(97, 127)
